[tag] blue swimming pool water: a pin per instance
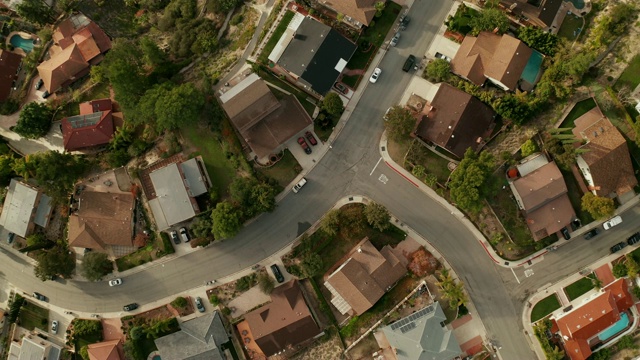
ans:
(579, 4)
(25, 44)
(530, 72)
(156, 357)
(612, 330)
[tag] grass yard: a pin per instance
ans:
(299, 94)
(284, 171)
(544, 307)
(575, 196)
(277, 34)
(351, 81)
(33, 316)
(570, 26)
(631, 75)
(220, 169)
(509, 215)
(578, 110)
(420, 155)
(461, 19)
(135, 258)
(578, 288)
(376, 34)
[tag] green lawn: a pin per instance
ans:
(277, 34)
(284, 171)
(33, 316)
(135, 259)
(376, 34)
(299, 94)
(509, 215)
(545, 307)
(631, 75)
(578, 288)
(578, 110)
(420, 155)
(569, 27)
(352, 81)
(575, 196)
(221, 170)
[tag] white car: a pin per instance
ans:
(612, 222)
(376, 74)
(115, 282)
(54, 327)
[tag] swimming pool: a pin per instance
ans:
(579, 4)
(531, 71)
(612, 330)
(25, 44)
(156, 357)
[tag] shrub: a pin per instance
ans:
(166, 243)
(214, 300)
(179, 302)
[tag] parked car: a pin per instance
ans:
(184, 235)
(617, 247)
(591, 234)
(276, 272)
(54, 327)
(409, 63)
(565, 233)
(634, 239)
(343, 89)
(394, 39)
(376, 74)
(10, 238)
(39, 296)
(39, 84)
(311, 138)
(199, 304)
(130, 307)
(404, 22)
(304, 145)
(612, 222)
(115, 282)
(299, 185)
(45, 94)
(174, 237)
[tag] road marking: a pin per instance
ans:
(383, 179)
(528, 272)
(516, 276)
(374, 168)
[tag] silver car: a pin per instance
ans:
(394, 39)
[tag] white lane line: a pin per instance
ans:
(514, 274)
(374, 168)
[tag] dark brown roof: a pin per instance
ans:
(251, 104)
(607, 154)
(365, 276)
(9, 63)
(455, 121)
(284, 322)
(362, 11)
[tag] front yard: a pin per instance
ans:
(545, 307)
(284, 171)
(33, 316)
(579, 288)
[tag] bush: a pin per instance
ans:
(16, 305)
(620, 270)
(226, 311)
(166, 243)
(179, 302)
(245, 282)
(214, 300)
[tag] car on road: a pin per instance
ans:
(39, 84)
(565, 233)
(39, 296)
(409, 63)
(616, 220)
(115, 282)
(591, 234)
(299, 185)
(304, 145)
(54, 327)
(376, 74)
(617, 247)
(311, 138)
(184, 235)
(199, 304)
(174, 237)
(404, 22)
(276, 272)
(634, 239)
(394, 39)
(10, 238)
(130, 307)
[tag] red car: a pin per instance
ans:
(311, 138)
(304, 145)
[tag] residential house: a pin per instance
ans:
(360, 281)
(24, 208)
(93, 127)
(500, 59)
(357, 13)
(103, 222)
(199, 338)
(32, 347)
(9, 67)
(281, 324)
(422, 335)
(312, 54)
(604, 162)
(171, 186)
(264, 122)
(455, 121)
(78, 44)
(541, 195)
(581, 328)
(106, 350)
(540, 13)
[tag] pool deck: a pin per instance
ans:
(23, 35)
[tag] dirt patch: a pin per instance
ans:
(159, 313)
(422, 262)
(182, 311)
(327, 347)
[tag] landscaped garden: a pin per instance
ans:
(33, 316)
(631, 75)
(571, 27)
(579, 288)
(284, 171)
(578, 110)
(544, 307)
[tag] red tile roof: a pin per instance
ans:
(362, 11)
(85, 130)
(9, 63)
(64, 66)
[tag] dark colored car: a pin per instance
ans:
(617, 247)
(311, 138)
(45, 94)
(404, 22)
(39, 84)
(277, 273)
(130, 307)
(10, 238)
(304, 145)
(174, 237)
(39, 296)
(409, 63)
(565, 233)
(634, 239)
(199, 304)
(591, 234)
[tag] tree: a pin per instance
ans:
(34, 121)
(57, 173)
(400, 123)
(599, 207)
(377, 216)
(179, 302)
(266, 283)
(379, 6)
(626, 342)
(311, 264)
(513, 108)
(36, 239)
(438, 70)
(633, 268)
(96, 265)
(619, 270)
(55, 261)
(179, 107)
(85, 327)
(136, 333)
(488, 20)
(602, 354)
(332, 104)
(451, 290)
(529, 147)
(226, 220)
(123, 66)
(6, 169)
(35, 11)
(84, 352)
(201, 228)
(222, 6)
(541, 40)
(330, 223)
(471, 181)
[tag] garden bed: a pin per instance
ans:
(33, 316)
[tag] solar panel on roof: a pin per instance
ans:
(408, 327)
(80, 121)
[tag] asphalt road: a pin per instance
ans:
(347, 169)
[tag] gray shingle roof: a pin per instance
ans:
(199, 339)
